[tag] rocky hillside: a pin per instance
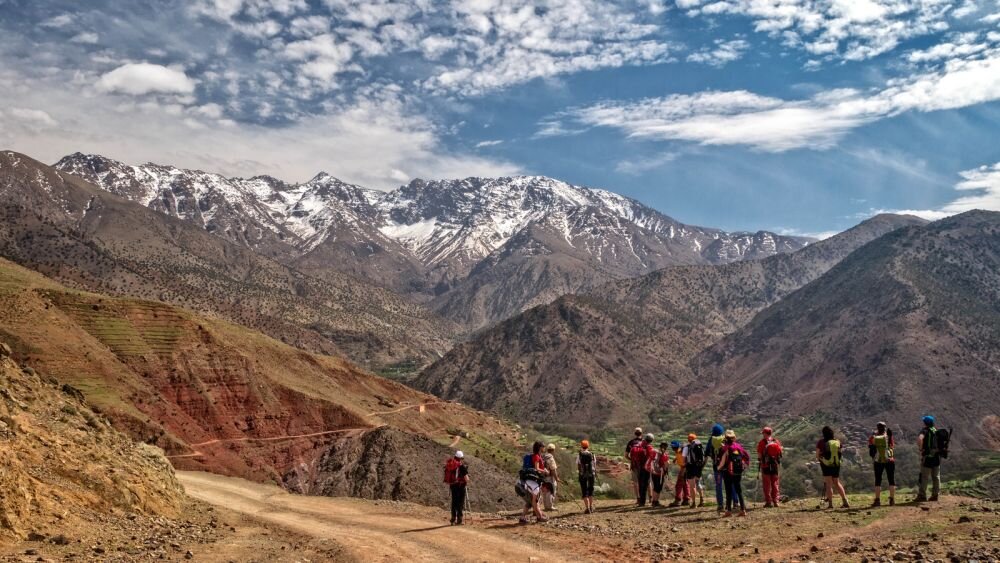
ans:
(56, 223)
(214, 395)
(62, 460)
(484, 248)
(625, 347)
(388, 464)
(908, 324)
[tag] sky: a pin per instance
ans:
(798, 116)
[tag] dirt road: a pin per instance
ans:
(366, 530)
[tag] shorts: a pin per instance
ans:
(533, 489)
(657, 483)
(586, 485)
(830, 470)
(693, 472)
(889, 468)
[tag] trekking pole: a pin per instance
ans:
(468, 499)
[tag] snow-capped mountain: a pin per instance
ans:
(430, 238)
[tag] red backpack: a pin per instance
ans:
(451, 471)
(637, 455)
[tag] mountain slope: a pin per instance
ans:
(457, 241)
(908, 324)
(214, 395)
(87, 237)
(60, 459)
(624, 348)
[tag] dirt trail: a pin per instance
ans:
(366, 530)
(348, 431)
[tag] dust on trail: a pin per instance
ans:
(366, 530)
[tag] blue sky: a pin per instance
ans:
(803, 116)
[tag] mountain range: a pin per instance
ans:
(625, 348)
(477, 250)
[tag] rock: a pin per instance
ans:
(900, 556)
(814, 549)
(59, 540)
(98, 549)
(31, 552)
(188, 555)
(5, 350)
(964, 519)
(820, 535)
(35, 536)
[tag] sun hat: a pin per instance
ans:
(459, 454)
(584, 444)
(730, 434)
(551, 447)
(638, 431)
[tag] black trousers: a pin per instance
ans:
(457, 502)
(643, 486)
(734, 491)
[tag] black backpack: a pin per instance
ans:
(938, 440)
(697, 454)
(531, 474)
(586, 463)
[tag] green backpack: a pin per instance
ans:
(833, 454)
(883, 452)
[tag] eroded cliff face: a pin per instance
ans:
(60, 460)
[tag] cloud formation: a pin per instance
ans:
(981, 187)
(145, 78)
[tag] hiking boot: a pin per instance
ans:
(920, 498)
(459, 522)
(934, 498)
(674, 504)
(686, 502)
(877, 502)
(742, 514)
(452, 521)
(768, 505)
(655, 503)
(702, 503)
(845, 504)
(829, 504)
(523, 521)
(727, 514)
(892, 501)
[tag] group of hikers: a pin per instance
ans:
(538, 480)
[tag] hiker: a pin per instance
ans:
(694, 466)
(531, 481)
(881, 446)
(714, 452)
(634, 443)
(932, 443)
(681, 493)
(647, 452)
(769, 464)
(733, 462)
(456, 474)
(552, 479)
(830, 456)
(586, 468)
(659, 471)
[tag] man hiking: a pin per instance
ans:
(456, 475)
(586, 468)
(682, 496)
(932, 443)
(733, 462)
(881, 448)
(648, 452)
(830, 455)
(714, 452)
(694, 466)
(552, 479)
(635, 444)
(769, 463)
(660, 471)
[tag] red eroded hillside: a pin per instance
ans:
(214, 395)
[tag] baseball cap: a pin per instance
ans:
(459, 454)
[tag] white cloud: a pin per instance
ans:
(984, 185)
(87, 38)
(56, 22)
(849, 29)
(635, 167)
(145, 78)
(32, 118)
(722, 53)
(323, 57)
(772, 124)
(482, 144)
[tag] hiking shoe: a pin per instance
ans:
(655, 503)
(920, 498)
(542, 519)
(934, 498)
(727, 514)
(686, 502)
(892, 501)
(675, 503)
(523, 521)
(768, 505)
(452, 521)
(845, 504)
(877, 502)
(742, 514)
(702, 503)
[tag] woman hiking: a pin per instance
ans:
(769, 464)
(586, 468)
(714, 453)
(830, 456)
(533, 476)
(694, 466)
(733, 462)
(456, 475)
(682, 495)
(659, 472)
(881, 447)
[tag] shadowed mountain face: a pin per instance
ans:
(482, 248)
(86, 237)
(907, 325)
(625, 347)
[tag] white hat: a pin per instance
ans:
(459, 454)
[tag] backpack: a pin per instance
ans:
(881, 448)
(519, 489)
(586, 463)
(772, 457)
(696, 455)
(531, 474)
(832, 456)
(736, 461)
(637, 455)
(528, 461)
(451, 471)
(938, 440)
